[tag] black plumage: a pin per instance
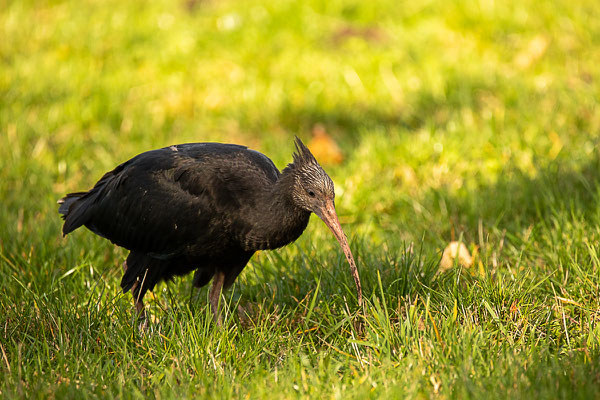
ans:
(206, 207)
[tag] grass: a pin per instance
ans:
(469, 120)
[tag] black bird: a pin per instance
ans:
(206, 207)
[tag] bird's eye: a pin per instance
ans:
(311, 193)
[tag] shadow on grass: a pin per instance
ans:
(420, 108)
(519, 200)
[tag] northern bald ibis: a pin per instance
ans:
(203, 207)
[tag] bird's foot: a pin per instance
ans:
(142, 319)
(143, 325)
(218, 320)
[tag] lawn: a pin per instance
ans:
(471, 121)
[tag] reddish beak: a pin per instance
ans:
(329, 216)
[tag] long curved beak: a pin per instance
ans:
(328, 215)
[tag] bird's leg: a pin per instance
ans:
(137, 301)
(215, 295)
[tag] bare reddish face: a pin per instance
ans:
(328, 215)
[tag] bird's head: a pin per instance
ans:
(313, 191)
(313, 188)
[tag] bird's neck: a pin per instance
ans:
(281, 220)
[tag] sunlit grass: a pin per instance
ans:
(474, 121)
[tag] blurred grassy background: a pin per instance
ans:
(471, 120)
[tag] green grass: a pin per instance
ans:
(467, 120)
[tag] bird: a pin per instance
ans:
(203, 207)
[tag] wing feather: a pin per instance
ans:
(174, 201)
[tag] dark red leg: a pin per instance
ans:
(215, 296)
(137, 300)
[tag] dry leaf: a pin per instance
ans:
(453, 251)
(323, 147)
(436, 383)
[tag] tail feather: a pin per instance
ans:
(67, 201)
(73, 211)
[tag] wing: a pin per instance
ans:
(174, 201)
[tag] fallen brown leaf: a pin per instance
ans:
(323, 147)
(453, 251)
